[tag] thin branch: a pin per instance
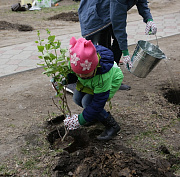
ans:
(64, 91)
(66, 133)
(55, 87)
(58, 107)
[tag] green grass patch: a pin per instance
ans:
(4, 171)
(60, 9)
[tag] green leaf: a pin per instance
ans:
(52, 56)
(58, 44)
(40, 57)
(36, 41)
(63, 51)
(40, 64)
(46, 56)
(48, 32)
(51, 38)
(68, 58)
(38, 33)
(40, 48)
(49, 70)
(47, 46)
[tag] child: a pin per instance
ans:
(99, 78)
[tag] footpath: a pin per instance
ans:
(24, 56)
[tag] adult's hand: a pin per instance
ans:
(127, 62)
(150, 28)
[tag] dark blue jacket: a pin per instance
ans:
(95, 15)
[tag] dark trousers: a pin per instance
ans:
(107, 39)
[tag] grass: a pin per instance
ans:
(32, 159)
(60, 9)
(4, 171)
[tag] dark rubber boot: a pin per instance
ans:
(111, 129)
(88, 124)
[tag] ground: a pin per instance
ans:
(147, 145)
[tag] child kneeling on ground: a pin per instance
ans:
(99, 78)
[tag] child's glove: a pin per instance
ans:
(72, 123)
(150, 28)
(126, 59)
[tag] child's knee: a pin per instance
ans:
(77, 101)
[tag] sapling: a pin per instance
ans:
(56, 66)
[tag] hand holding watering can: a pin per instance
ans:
(150, 29)
(146, 55)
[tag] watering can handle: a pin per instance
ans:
(150, 33)
(127, 65)
(157, 41)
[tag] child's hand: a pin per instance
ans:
(72, 123)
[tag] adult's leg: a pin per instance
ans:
(117, 56)
(115, 48)
(102, 37)
(105, 38)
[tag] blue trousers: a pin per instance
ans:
(84, 99)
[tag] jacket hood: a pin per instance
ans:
(106, 61)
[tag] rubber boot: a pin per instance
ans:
(111, 129)
(88, 124)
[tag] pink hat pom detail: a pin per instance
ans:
(83, 56)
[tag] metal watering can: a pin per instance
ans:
(145, 57)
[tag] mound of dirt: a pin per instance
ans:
(69, 16)
(85, 156)
(10, 26)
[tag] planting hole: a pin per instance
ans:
(75, 140)
(173, 96)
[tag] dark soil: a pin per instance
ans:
(84, 156)
(173, 96)
(69, 16)
(10, 26)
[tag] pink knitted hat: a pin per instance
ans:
(83, 56)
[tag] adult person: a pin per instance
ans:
(118, 16)
(103, 20)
